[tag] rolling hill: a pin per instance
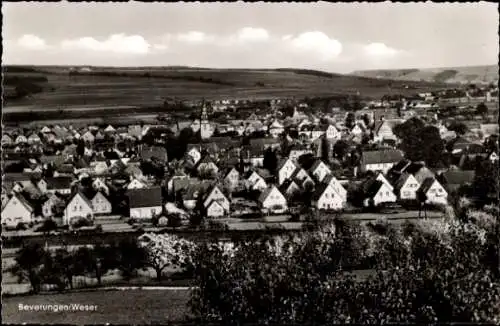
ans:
(455, 75)
(47, 87)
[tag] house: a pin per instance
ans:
(50, 205)
(100, 204)
(302, 178)
(452, 180)
(419, 171)
(136, 184)
(406, 187)
(206, 167)
(99, 166)
(232, 178)
(21, 139)
(297, 151)
(215, 209)
(34, 139)
(145, 203)
(380, 177)
(46, 130)
(285, 170)
(326, 198)
(17, 210)
(320, 170)
(88, 137)
(290, 189)
(337, 186)
(434, 192)
(61, 185)
(109, 129)
(358, 130)
(377, 193)
(265, 143)
(383, 129)
(276, 129)
(194, 154)
(7, 140)
(381, 160)
(332, 133)
(154, 153)
(253, 156)
(193, 192)
(493, 156)
(489, 129)
(256, 181)
(78, 207)
(272, 200)
(215, 194)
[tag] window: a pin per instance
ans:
(74, 208)
(387, 193)
(80, 208)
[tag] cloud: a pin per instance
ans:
(32, 42)
(193, 37)
(252, 34)
(380, 50)
(316, 42)
(116, 43)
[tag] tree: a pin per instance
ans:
(270, 160)
(66, 264)
(482, 109)
(47, 226)
(130, 258)
(325, 150)
(166, 250)
(485, 184)
(306, 161)
(458, 127)
(350, 120)
(29, 263)
(420, 142)
(340, 149)
(80, 148)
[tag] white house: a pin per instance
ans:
(99, 185)
(79, 206)
(381, 160)
(6, 140)
(407, 186)
(286, 170)
(194, 154)
(379, 193)
(135, 184)
(276, 129)
(320, 170)
(380, 177)
(207, 166)
(326, 198)
(145, 203)
(232, 178)
(256, 182)
(50, 203)
(21, 139)
(273, 200)
(215, 194)
(337, 186)
(17, 210)
(333, 133)
(215, 210)
(434, 191)
(101, 204)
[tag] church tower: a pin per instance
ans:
(206, 129)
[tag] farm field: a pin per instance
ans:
(121, 88)
(117, 307)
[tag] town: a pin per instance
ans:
(250, 163)
(287, 157)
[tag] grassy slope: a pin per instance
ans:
(486, 74)
(63, 90)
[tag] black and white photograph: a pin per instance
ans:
(250, 163)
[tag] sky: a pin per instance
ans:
(334, 37)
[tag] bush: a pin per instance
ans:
(21, 226)
(131, 221)
(81, 222)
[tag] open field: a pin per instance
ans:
(117, 307)
(472, 74)
(125, 88)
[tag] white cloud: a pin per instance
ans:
(316, 42)
(252, 34)
(380, 50)
(32, 42)
(193, 37)
(117, 43)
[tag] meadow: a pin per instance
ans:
(116, 89)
